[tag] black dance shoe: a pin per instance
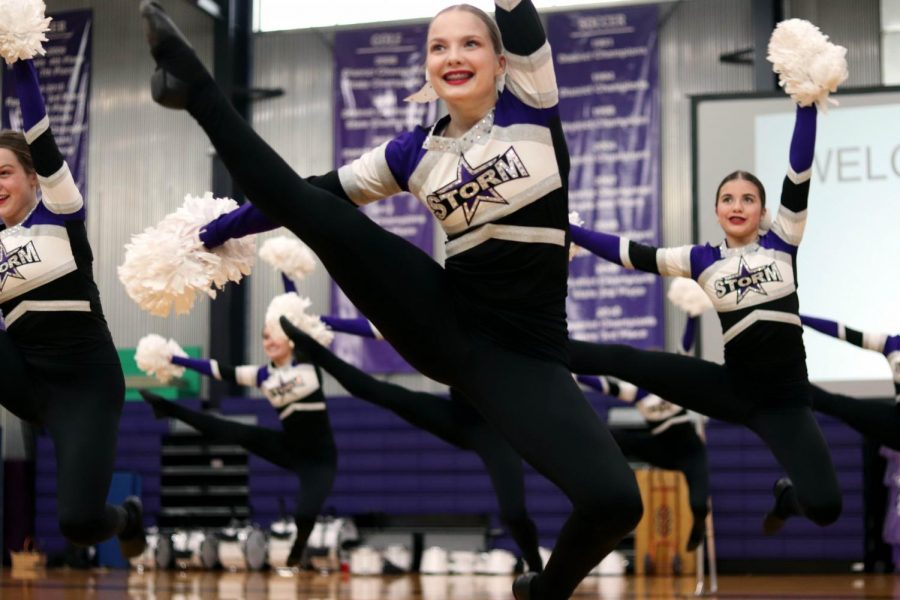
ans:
(157, 403)
(178, 67)
(297, 556)
(775, 518)
(133, 539)
(522, 586)
(696, 536)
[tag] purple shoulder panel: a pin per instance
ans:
(702, 257)
(41, 215)
(772, 241)
(512, 111)
(261, 375)
(892, 344)
(403, 154)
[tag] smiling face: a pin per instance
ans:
(18, 188)
(462, 62)
(277, 349)
(739, 209)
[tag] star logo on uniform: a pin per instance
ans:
(11, 261)
(466, 179)
(283, 387)
(476, 185)
(748, 280)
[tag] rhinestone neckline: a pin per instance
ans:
(474, 135)
(18, 227)
(727, 251)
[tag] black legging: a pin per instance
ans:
(774, 405)
(458, 424)
(535, 404)
(677, 448)
(305, 447)
(80, 405)
(878, 420)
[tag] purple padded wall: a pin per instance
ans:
(386, 465)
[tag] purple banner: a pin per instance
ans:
(65, 75)
(375, 69)
(607, 68)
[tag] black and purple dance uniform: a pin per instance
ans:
(763, 383)
(305, 445)
(59, 365)
(492, 324)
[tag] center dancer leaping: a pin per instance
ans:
(492, 323)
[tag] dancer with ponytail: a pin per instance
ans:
(751, 279)
(492, 323)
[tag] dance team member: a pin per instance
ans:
(751, 279)
(292, 385)
(497, 311)
(60, 367)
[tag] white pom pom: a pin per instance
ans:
(809, 67)
(22, 28)
(154, 354)
(575, 219)
(687, 295)
(293, 306)
(288, 255)
(167, 265)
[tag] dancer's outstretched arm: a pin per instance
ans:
(790, 221)
(59, 193)
(879, 342)
(245, 375)
(247, 219)
(359, 327)
(687, 261)
(621, 390)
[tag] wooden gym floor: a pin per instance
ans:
(195, 585)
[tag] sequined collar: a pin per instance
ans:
(18, 227)
(726, 251)
(475, 135)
